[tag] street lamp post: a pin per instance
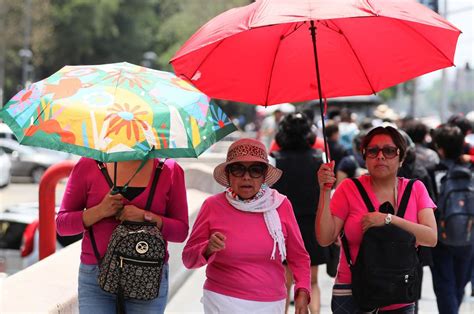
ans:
(25, 53)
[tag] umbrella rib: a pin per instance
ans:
(202, 62)
(273, 65)
(39, 115)
(426, 39)
(357, 57)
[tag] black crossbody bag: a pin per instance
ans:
(133, 263)
(388, 269)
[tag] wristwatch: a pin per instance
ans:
(147, 216)
(388, 219)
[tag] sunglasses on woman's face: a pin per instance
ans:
(255, 170)
(388, 152)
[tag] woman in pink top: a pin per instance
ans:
(383, 149)
(244, 234)
(88, 202)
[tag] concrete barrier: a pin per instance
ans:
(49, 286)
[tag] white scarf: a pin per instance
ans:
(266, 201)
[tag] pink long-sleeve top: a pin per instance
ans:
(348, 205)
(244, 269)
(87, 187)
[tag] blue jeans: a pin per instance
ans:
(450, 271)
(343, 302)
(94, 300)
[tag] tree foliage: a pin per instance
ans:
(72, 32)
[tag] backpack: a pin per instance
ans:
(388, 269)
(133, 263)
(456, 207)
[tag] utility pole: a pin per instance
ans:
(443, 102)
(25, 53)
(3, 40)
(413, 98)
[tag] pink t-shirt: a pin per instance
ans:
(244, 269)
(87, 187)
(348, 205)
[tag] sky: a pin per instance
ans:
(461, 15)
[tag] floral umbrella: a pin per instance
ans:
(116, 112)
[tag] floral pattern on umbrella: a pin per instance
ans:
(116, 112)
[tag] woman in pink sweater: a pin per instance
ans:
(244, 234)
(383, 149)
(88, 203)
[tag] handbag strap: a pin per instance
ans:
(370, 207)
(112, 184)
(103, 169)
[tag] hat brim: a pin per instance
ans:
(272, 176)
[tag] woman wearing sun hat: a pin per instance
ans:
(243, 234)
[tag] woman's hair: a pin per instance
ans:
(417, 131)
(294, 132)
(461, 122)
(396, 137)
(450, 139)
(357, 141)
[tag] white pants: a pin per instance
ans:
(215, 303)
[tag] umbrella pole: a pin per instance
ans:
(115, 176)
(321, 107)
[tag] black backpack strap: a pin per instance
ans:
(103, 169)
(405, 199)
(370, 207)
(345, 246)
(364, 195)
(158, 170)
(94, 246)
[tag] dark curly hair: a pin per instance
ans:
(294, 132)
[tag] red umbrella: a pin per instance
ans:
(275, 51)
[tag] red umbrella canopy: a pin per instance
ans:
(263, 53)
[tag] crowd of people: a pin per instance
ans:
(284, 207)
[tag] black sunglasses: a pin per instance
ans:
(239, 170)
(388, 152)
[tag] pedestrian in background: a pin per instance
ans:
(299, 162)
(451, 262)
(270, 127)
(244, 234)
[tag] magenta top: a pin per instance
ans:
(87, 187)
(348, 205)
(244, 269)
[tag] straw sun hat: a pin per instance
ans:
(245, 150)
